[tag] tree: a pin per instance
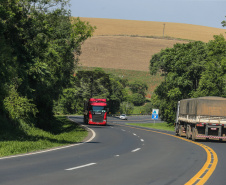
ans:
(191, 70)
(147, 108)
(43, 44)
(213, 78)
(87, 84)
(223, 23)
(138, 87)
(137, 99)
(126, 107)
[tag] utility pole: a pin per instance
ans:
(91, 85)
(163, 29)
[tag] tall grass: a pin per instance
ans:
(26, 138)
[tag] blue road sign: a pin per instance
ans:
(154, 116)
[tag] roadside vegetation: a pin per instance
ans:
(40, 45)
(159, 126)
(191, 70)
(27, 138)
(130, 77)
(122, 95)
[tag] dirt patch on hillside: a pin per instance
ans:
(121, 52)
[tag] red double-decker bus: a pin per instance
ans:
(95, 111)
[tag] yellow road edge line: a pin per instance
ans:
(210, 170)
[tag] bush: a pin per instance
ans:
(137, 99)
(126, 107)
(19, 107)
(147, 108)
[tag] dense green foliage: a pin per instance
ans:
(39, 48)
(98, 84)
(191, 70)
(84, 85)
(126, 107)
(138, 89)
(223, 23)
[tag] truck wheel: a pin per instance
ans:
(180, 131)
(188, 132)
(194, 131)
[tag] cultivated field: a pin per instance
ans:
(114, 45)
(151, 28)
(122, 52)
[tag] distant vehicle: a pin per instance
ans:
(123, 116)
(95, 111)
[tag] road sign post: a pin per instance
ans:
(155, 114)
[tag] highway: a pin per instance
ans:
(116, 154)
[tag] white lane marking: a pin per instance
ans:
(134, 134)
(116, 155)
(136, 150)
(142, 140)
(123, 130)
(82, 166)
(53, 149)
(111, 127)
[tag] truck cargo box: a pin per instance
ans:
(203, 106)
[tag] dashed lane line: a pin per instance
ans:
(82, 166)
(136, 150)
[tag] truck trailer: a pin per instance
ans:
(201, 118)
(95, 111)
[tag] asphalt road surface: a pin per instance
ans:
(134, 119)
(116, 154)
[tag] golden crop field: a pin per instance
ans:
(122, 52)
(114, 45)
(151, 28)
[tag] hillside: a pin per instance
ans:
(151, 28)
(122, 52)
(112, 45)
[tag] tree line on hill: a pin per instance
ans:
(40, 45)
(191, 70)
(120, 94)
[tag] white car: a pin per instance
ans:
(123, 116)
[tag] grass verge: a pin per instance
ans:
(137, 109)
(160, 126)
(26, 138)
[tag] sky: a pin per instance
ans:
(198, 12)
